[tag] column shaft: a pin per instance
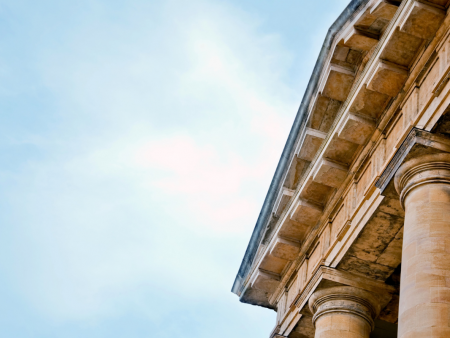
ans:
(424, 185)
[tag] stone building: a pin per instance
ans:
(353, 239)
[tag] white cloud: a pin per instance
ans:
(160, 162)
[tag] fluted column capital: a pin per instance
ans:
(426, 169)
(345, 299)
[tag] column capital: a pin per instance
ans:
(434, 168)
(345, 299)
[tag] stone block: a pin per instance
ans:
(330, 173)
(285, 249)
(324, 113)
(273, 264)
(383, 9)
(338, 82)
(401, 48)
(266, 281)
(392, 255)
(369, 103)
(292, 229)
(422, 20)
(340, 150)
(356, 129)
(387, 78)
(306, 213)
(441, 3)
(316, 192)
(358, 39)
(311, 144)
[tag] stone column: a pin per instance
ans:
(343, 312)
(424, 187)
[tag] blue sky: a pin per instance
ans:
(137, 142)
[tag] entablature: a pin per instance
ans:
(329, 190)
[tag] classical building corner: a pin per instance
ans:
(353, 239)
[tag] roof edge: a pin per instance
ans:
(289, 147)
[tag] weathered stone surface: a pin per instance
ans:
(293, 229)
(266, 281)
(324, 113)
(392, 255)
(383, 9)
(306, 212)
(295, 172)
(424, 187)
(422, 20)
(401, 48)
(344, 311)
(359, 39)
(356, 129)
(365, 268)
(312, 142)
(303, 329)
(330, 173)
(377, 235)
(317, 193)
(285, 249)
(338, 83)
(439, 2)
(387, 79)
(369, 103)
(273, 264)
(341, 150)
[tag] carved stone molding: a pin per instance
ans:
(417, 143)
(345, 299)
(426, 169)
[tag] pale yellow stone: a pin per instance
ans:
(424, 186)
(344, 312)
